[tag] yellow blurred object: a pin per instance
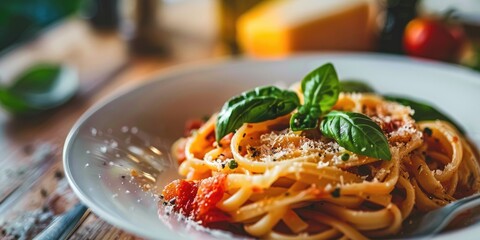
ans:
(279, 27)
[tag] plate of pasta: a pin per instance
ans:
(351, 146)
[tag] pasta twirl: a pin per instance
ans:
(279, 184)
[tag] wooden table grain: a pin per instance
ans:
(33, 189)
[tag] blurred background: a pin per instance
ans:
(94, 38)
(59, 57)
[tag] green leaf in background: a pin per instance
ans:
(423, 111)
(40, 88)
(356, 133)
(351, 86)
(260, 104)
(320, 92)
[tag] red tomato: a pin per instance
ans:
(432, 39)
(213, 216)
(210, 192)
(192, 124)
(170, 191)
(184, 193)
(198, 199)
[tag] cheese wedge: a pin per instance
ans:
(280, 27)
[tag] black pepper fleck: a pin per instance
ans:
(58, 174)
(43, 192)
(28, 149)
(428, 131)
(336, 193)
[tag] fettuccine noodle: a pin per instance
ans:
(291, 185)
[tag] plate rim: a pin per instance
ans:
(163, 75)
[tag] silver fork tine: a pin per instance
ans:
(434, 221)
(65, 224)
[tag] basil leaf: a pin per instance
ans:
(260, 104)
(320, 91)
(357, 133)
(321, 86)
(423, 111)
(40, 88)
(266, 91)
(305, 118)
(355, 86)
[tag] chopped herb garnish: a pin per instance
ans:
(345, 157)
(232, 164)
(336, 193)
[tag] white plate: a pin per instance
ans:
(98, 152)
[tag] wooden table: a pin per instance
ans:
(33, 189)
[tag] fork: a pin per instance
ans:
(433, 222)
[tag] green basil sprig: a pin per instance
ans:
(351, 86)
(357, 133)
(260, 104)
(320, 92)
(40, 88)
(353, 131)
(423, 111)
